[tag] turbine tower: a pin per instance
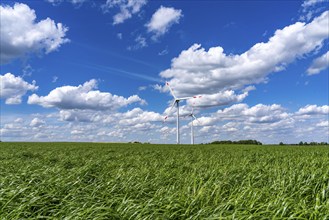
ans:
(176, 102)
(192, 126)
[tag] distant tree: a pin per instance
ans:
(281, 143)
(301, 143)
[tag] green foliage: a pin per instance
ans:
(145, 181)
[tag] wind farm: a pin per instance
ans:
(139, 109)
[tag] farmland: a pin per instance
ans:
(136, 181)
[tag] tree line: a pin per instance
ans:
(306, 143)
(253, 142)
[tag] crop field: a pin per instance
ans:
(143, 181)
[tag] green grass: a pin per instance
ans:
(132, 181)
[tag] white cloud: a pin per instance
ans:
(138, 116)
(83, 97)
(77, 132)
(221, 98)
(323, 124)
(265, 114)
(55, 78)
(77, 1)
(74, 2)
(310, 3)
(12, 88)
(21, 34)
(77, 115)
(127, 9)
(19, 120)
(163, 52)
(197, 71)
(311, 8)
(162, 20)
(142, 88)
(54, 2)
(37, 122)
(119, 36)
(242, 112)
(314, 110)
(319, 64)
(140, 43)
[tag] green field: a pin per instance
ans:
(136, 181)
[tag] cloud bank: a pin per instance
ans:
(266, 123)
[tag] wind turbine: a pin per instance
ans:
(192, 119)
(176, 102)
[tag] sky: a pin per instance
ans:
(82, 70)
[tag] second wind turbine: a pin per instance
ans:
(176, 102)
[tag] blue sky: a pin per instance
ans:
(79, 70)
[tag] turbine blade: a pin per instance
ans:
(196, 119)
(172, 106)
(171, 91)
(184, 98)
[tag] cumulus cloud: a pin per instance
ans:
(162, 20)
(127, 9)
(319, 64)
(259, 113)
(265, 113)
(37, 122)
(75, 115)
(21, 34)
(83, 97)
(197, 71)
(13, 88)
(221, 98)
(323, 124)
(138, 116)
(314, 110)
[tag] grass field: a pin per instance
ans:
(135, 181)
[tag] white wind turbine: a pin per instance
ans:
(192, 119)
(176, 102)
(192, 127)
